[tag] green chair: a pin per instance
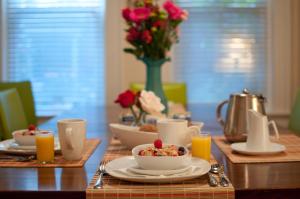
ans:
(12, 116)
(25, 93)
(175, 92)
(294, 122)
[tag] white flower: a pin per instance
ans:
(150, 102)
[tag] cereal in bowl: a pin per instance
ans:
(159, 150)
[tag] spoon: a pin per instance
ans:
(219, 169)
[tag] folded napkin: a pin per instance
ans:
(131, 173)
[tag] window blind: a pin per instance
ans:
(58, 46)
(222, 48)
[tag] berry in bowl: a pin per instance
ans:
(26, 137)
(159, 156)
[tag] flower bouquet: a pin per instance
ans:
(151, 32)
(140, 103)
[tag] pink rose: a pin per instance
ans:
(184, 15)
(146, 37)
(139, 14)
(175, 13)
(125, 13)
(132, 35)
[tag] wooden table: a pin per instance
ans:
(268, 180)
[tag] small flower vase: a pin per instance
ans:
(153, 79)
(139, 120)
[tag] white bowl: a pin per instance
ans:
(160, 162)
(131, 136)
(25, 140)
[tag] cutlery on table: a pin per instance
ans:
(212, 180)
(101, 171)
(17, 158)
(219, 169)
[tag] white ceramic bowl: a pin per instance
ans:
(131, 136)
(160, 162)
(24, 140)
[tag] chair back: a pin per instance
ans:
(294, 122)
(25, 92)
(175, 92)
(12, 116)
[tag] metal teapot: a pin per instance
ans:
(235, 126)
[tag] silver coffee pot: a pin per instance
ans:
(235, 125)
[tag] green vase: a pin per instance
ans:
(153, 79)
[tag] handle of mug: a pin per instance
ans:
(68, 134)
(194, 130)
(275, 128)
(219, 111)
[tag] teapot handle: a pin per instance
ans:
(219, 111)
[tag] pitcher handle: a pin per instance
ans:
(275, 128)
(219, 111)
(194, 130)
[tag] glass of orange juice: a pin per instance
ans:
(201, 146)
(44, 147)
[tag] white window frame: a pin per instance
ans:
(3, 41)
(121, 68)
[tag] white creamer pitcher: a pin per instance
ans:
(258, 131)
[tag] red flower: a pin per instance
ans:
(126, 99)
(126, 14)
(159, 24)
(146, 36)
(132, 35)
(175, 13)
(139, 14)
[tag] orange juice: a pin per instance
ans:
(45, 147)
(201, 146)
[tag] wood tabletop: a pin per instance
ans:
(263, 180)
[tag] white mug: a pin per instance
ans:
(72, 135)
(173, 131)
(258, 138)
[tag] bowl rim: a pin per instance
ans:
(22, 130)
(133, 151)
(131, 129)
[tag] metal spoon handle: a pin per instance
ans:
(223, 181)
(212, 180)
(99, 182)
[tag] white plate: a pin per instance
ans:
(11, 147)
(242, 148)
(200, 167)
(141, 171)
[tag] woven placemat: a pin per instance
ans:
(59, 161)
(291, 154)
(115, 188)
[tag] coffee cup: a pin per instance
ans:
(72, 135)
(175, 131)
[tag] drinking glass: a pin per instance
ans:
(201, 146)
(45, 147)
